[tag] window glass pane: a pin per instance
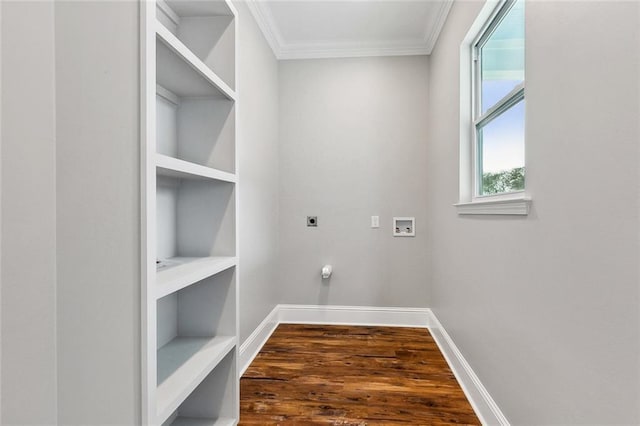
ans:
(501, 153)
(502, 57)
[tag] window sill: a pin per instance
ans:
(512, 206)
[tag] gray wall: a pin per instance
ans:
(98, 212)
(257, 150)
(545, 307)
(28, 214)
(70, 213)
(352, 145)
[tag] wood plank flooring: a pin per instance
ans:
(346, 375)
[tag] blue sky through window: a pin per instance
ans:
(503, 141)
(502, 69)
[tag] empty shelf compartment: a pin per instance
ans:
(196, 329)
(194, 218)
(212, 402)
(205, 28)
(196, 130)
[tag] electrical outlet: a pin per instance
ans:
(312, 221)
(375, 221)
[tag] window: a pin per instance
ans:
(492, 108)
(498, 103)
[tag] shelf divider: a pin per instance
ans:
(174, 167)
(181, 272)
(194, 421)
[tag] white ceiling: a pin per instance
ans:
(297, 29)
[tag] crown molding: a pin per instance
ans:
(431, 37)
(351, 50)
(265, 22)
(283, 51)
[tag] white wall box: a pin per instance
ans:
(404, 226)
(189, 285)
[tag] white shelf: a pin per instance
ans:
(182, 72)
(182, 364)
(173, 167)
(198, 8)
(193, 421)
(184, 271)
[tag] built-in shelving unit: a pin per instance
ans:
(189, 287)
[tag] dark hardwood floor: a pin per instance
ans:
(344, 375)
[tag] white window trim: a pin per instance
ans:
(511, 203)
(518, 205)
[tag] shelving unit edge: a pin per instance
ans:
(147, 209)
(238, 106)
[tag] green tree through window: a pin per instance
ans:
(504, 181)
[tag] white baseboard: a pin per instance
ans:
(485, 407)
(353, 315)
(251, 347)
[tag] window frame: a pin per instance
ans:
(478, 119)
